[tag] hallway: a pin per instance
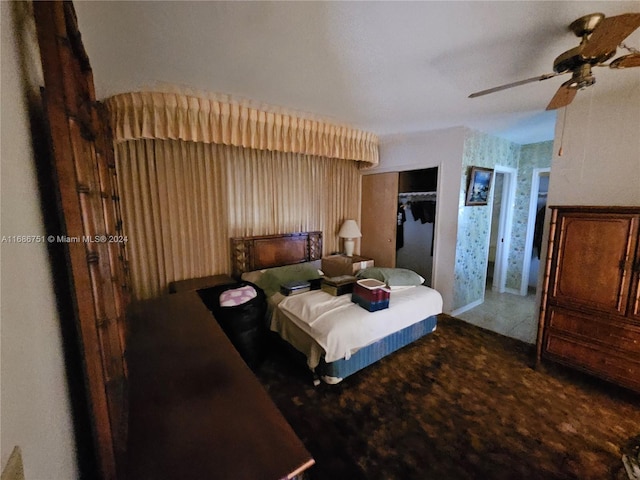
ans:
(511, 315)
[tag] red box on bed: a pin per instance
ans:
(371, 295)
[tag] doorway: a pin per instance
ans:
(537, 209)
(417, 195)
(512, 315)
(502, 202)
(498, 187)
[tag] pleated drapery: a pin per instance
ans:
(182, 201)
(194, 171)
(221, 120)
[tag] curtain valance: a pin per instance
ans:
(176, 116)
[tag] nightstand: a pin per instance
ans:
(336, 265)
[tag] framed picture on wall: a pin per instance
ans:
(479, 186)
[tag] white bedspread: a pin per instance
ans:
(341, 327)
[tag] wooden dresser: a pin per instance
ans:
(590, 313)
(196, 411)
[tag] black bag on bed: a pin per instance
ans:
(244, 324)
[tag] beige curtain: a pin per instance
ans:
(194, 171)
(182, 201)
(222, 120)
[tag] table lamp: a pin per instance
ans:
(349, 231)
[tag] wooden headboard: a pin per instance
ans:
(266, 251)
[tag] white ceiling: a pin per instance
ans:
(386, 67)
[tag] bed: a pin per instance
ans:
(336, 336)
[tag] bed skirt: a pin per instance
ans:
(335, 372)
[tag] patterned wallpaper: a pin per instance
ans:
(535, 155)
(474, 223)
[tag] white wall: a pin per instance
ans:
(600, 164)
(442, 149)
(34, 402)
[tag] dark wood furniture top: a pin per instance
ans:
(196, 410)
(266, 251)
(198, 283)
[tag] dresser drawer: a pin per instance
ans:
(617, 334)
(623, 370)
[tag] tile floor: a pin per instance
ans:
(511, 315)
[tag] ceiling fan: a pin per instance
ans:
(600, 39)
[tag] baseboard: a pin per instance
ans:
(467, 307)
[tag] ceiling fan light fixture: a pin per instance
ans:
(581, 78)
(580, 83)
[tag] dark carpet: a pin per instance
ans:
(461, 403)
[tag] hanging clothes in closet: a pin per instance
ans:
(537, 232)
(423, 209)
(402, 217)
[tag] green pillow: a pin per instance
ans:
(273, 278)
(393, 277)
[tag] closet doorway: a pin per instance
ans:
(415, 232)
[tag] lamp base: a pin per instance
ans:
(349, 243)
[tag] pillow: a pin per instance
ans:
(393, 277)
(271, 280)
(253, 277)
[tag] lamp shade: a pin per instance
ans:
(349, 229)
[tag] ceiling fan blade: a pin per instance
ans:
(609, 33)
(627, 61)
(563, 97)
(514, 84)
